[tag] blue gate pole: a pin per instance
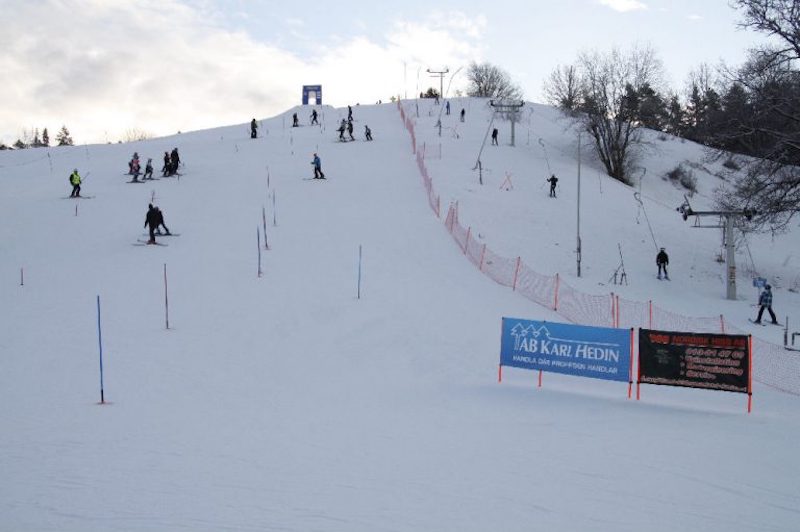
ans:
(100, 343)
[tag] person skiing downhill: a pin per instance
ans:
(317, 167)
(765, 302)
(148, 170)
(151, 219)
(367, 133)
(75, 181)
(494, 137)
(253, 129)
(165, 169)
(662, 260)
(314, 117)
(350, 130)
(295, 122)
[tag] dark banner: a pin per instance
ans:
(695, 360)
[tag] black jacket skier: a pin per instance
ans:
(662, 259)
(253, 129)
(152, 221)
(553, 181)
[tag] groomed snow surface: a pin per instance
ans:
(286, 402)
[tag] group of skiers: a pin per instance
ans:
(133, 167)
(171, 162)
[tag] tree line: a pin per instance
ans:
(752, 109)
(34, 140)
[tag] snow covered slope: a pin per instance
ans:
(288, 402)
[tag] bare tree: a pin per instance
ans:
(489, 81)
(562, 88)
(771, 81)
(134, 133)
(610, 86)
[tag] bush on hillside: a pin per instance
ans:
(684, 177)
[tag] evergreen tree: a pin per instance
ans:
(45, 138)
(63, 138)
(20, 145)
(675, 117)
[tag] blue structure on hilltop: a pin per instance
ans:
(314, 91)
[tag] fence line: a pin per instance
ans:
(774, 366)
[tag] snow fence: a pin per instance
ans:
(774, 366)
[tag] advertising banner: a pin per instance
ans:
(596, 352)
(695, 360)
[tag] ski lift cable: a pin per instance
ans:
(638, 198)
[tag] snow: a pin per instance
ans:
(286, 402)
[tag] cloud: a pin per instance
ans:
(160, 66)
(623, 6)
(694, 17)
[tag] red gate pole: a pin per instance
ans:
(750, 374)
(166, 298)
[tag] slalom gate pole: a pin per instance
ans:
(166, 298)
(359, 272)
(100, 343)
(274, 213)
(264, 223)
(499, 373)
(258, 237)
(21, 277)
(76, 209)
(540, 378)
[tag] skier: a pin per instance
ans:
(151, 220)
(314, 117)
(75, 181)
(463, 112)
(295, 123)
(341, 129)
(253, 128)
(349, 114)
(765, 301)
(447, 106)
(494, 137)
(165, 170)
(317, 167)
(350, 130)
(553, 180)
(160, 221)
(174, 161)
(367, 132)
(148, 170)
(662, 260)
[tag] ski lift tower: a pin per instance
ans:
(440, 74)
(726, 221)
(509, 107)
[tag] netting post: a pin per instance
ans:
(613, 312)
(618, 320)
(722, 323)
(650, 305)
(483, 252)
(466, 244)
(750, 374)
(516, 274)
(555, 297)
(630, 369)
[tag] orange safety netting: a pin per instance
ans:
(773, 365)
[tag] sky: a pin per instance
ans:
(353, 386)
(111, 69)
